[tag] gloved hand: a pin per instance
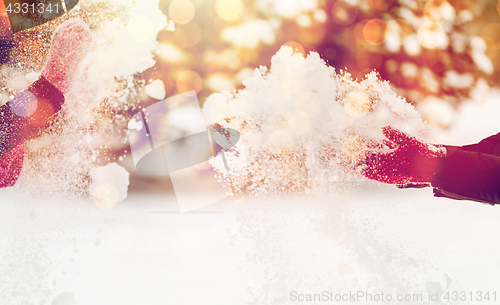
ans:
(10, 166)
(408, 161)
(70, 44)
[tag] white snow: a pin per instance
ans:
(32, 77)
(299, 103)
(156, 89)
(109, 182)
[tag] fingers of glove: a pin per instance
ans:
(404, 140)
(70, 44)
(390, 144)
(381, 158)
(396, 135)
(386, 175)
(382, 146)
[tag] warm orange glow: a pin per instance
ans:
(188, 35)
(343, 13)
(374, 31)
(368, 60)
(439, 10)
(229, 10)
(312, 35)
(3, 12)
(402, 27)
(187, 81)
(181, 11)
(492, 47)
(358, 32)
(431, 57)
(5, 28)
(491, 33)
(44, 111)
(380, 5)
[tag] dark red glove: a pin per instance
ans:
(410, 161)
(70, 45)
(10, 166)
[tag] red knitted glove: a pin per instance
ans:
(10, 166)
(411, 161)
(70, 44)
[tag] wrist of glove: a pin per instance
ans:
(408, 161)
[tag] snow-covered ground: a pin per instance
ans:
(143, 251)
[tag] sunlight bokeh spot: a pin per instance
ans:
(431, 35)
(374, 31)
(188, 80)
(229, 10)
(344, 14)
(181, 11)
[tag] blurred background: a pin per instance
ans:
(435, 53)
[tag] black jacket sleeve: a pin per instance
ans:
(16, 129)
(470, 172)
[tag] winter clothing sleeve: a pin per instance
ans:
(470, 172)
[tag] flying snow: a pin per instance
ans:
(300, 118)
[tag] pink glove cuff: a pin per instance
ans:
(70, 44)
